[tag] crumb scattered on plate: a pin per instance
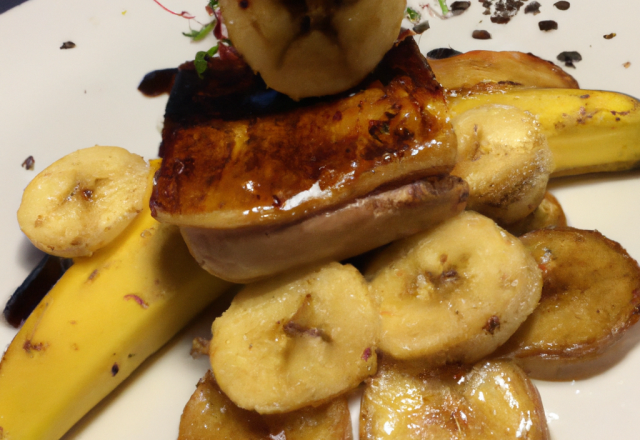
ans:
(29, 163)
(481, 35)
(548, 25)
(562, 5)
(532, 8)
(569, 57)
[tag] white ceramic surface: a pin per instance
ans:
(55, 101)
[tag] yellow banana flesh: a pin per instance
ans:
(587, 130)
(105, 316)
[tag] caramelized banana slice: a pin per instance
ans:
(591, 295)
(491, 400)
(469, 69)
(210, 414)
(505, 159)
(295, 340)
(548, 213)
(312, 47)
(83, 201)
(455, 292)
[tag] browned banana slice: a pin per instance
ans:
(210, 414)
(313, 47)
(482, 66)
(299, 339)
(490, 400)
(591, 295)
(548, 213)
(455, 292)
(504, 158)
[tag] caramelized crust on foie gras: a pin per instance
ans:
(237, 154)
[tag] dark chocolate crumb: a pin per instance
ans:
(562, 5)
(499, 19)
(68, 45)
(610, 36)
(442, 53)
(421, 27)
(569, 57)
(114, 369)
(532, 8)
(548, 25)
(503, 10)
(29, 163)
(481, 35)
(458, 7)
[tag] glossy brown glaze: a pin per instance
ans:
(236, 154)
(157, 82)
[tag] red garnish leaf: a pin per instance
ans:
(183, 14)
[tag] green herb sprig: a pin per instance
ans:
(443, 6)
(200, 61)
(199, 35)
(413, 15)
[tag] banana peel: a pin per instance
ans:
(587, 130)
(103, 318)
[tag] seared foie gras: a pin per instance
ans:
(251, 253)
(238, 156)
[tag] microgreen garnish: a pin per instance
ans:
(200, 61)
(443, 6)
(413, 15)
(196, 35)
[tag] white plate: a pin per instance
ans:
(55, 101)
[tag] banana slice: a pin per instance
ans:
(81, 202)
(505, 160)
(210, 414)
(295, 340)
(589, 300)
(548, 213)
(453, 293)
(491, 400)
(313, 47)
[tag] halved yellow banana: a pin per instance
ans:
(295, 340)
(504, 158)
(312, 47)
(83, 201)
(587, 130)
(453, 293)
